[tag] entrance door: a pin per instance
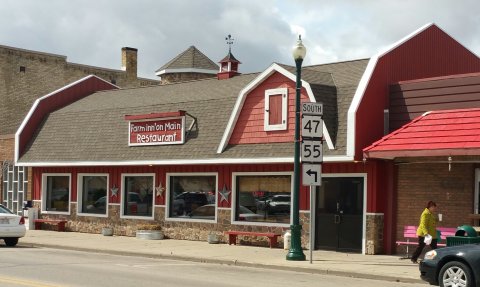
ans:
(339, 216)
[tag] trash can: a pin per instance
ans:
(466, 230)
(465, 234)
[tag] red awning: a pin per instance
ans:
(437, 133)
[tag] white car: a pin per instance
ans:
(12, 226)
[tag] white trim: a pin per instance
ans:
(362, 86)
(185, 70)
(252, 85)
(477, 191)
(234, 198)
(266, 113)
(80, 194)
(180, 161)
(365, 194)
(167, 198)
(37, 102)
(114, 204)
(122, 190)
(44, 195)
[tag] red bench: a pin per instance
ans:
(59, 222)
(410, 231)
(232, 236)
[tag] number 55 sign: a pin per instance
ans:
(312, 151)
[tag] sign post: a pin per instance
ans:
(312, 157)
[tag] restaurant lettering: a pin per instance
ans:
(157, 132)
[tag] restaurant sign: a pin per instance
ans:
(156, 129)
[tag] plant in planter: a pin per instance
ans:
(149, 231)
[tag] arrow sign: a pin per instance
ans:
(312, 174)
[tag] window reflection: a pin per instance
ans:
(263, 198)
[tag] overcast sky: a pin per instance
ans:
(93, 32)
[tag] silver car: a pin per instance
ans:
(12, 226)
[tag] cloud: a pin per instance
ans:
(93, 32)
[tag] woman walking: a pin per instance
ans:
(427, 226)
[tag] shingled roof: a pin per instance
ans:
(191, 58)
(435, 133)
(334, 85)
(94, 129)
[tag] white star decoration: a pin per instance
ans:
(114, 190)
(159, 190)
(224, 193)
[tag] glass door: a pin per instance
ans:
(339, 216)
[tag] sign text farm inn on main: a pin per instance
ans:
(156, 131)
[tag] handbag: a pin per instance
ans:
(428, 239)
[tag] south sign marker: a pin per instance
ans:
(314, 109)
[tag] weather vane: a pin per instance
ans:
(229, 40)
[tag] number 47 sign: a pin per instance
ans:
(312, 126)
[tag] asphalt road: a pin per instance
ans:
(44, 267)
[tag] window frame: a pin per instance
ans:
(122, 196)
(234, 198)
(168, 198)
(283, 125)
(476, 201)
(44, 193)
(80, 194)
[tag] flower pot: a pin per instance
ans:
(212, 238)
(150, 234)
(107, 231)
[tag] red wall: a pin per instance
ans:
(250, 124)
(59, 100)
(431, 53)
(224, 176)
(373, 171)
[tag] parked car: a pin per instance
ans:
(452, 266)
(279, 204)
(208, 212)
(12, 226)
(186, 202)
(248, 215)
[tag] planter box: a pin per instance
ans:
(150, 234)
(107, 231)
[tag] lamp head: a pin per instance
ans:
(299, 51)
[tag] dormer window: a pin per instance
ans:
(276, 106)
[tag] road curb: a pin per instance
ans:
(231, 262)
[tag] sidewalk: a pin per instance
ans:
(380, 267)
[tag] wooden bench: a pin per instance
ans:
(410, 231)
(59, 222)
(232, 236)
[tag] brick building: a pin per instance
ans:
(216, 154)
(434, 149)
(26, 75)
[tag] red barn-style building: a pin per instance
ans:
(213, 155)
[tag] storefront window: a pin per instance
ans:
(192, 197)
(92, 197)
(57, 193)
(138, 195)
(263, 198)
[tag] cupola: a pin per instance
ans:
(229, 64)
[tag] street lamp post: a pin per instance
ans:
(296, 252)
